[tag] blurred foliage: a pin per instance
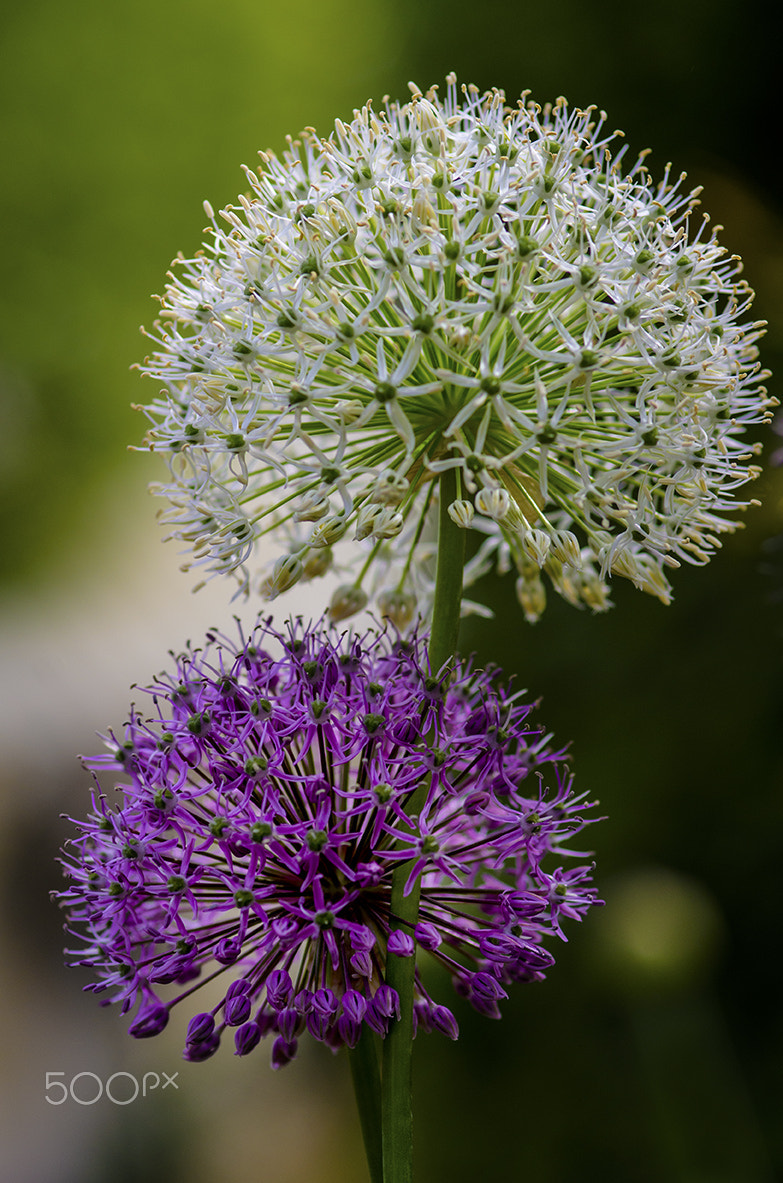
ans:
(649, 1056)
(119, 120)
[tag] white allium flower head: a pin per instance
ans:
(457, 284)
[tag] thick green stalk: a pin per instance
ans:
(448, 578)
(365, 1073)
(396, 1090)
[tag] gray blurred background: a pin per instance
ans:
(653, 1053)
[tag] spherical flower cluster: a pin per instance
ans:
(457, 285)
(262, 811)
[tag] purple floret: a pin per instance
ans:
(262, 810)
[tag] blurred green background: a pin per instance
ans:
(654, 1051)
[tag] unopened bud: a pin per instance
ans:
(286, 572)
(317, 563)
(390, 488)
(388, 523)
(565, 547)
(347, 601)
(493, 503)
(462, 513)
(328, 531)
(532, 597)
(399, 607)
(643, 573)
(312, 508)
(423, 210)
(347, 410)
(595, 593)
(535, 544)
(365, 521)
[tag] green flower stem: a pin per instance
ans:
(365, 1073)
(396, 1090)
(448, 578)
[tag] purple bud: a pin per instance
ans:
(286, 930)
(246, 1038)
(443, 1020)
(150, 1020)
(369, 874)
(421, 1016)
(354, 1006)
(361, 963)
(387, 1001)
(239, 986)
(401, 943)
(362, 938)
(278, 989)
(318, 1025)
(520, 905)
(303, 1002)
(486, 1006)
(172, 969)
(196, 1053)
(427, 935)
(373, 1018)
(325, 1002)
(228, 951)
(200, 1028)
(499, 946)
(484, 986)
(288, 1023)
(236, 1010)
(265, 1021)
(283, 1052)
(348, 1031)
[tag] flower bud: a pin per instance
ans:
(398, 607)
(388, 523)
(427, 935)
(535, 544)
(594, 592)
(200, 1028)
(197, 1053)
(283, 1052)
(443, 1020)
(246, 1038)
(286, 572)
(401, 943)
(390, 488)
(565, 547)
(354, 1006)
(493, 503)
(347, 601)
(328, 531)
(236, 1010)
(278, 989)
(312, 508)
(532, 597)
(462, 512)
(317, 563)
(227, 951)
(150, 1020)
(365, 520)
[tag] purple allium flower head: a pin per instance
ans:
(261, 812)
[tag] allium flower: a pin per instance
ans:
(457, 284)
(262, 811)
